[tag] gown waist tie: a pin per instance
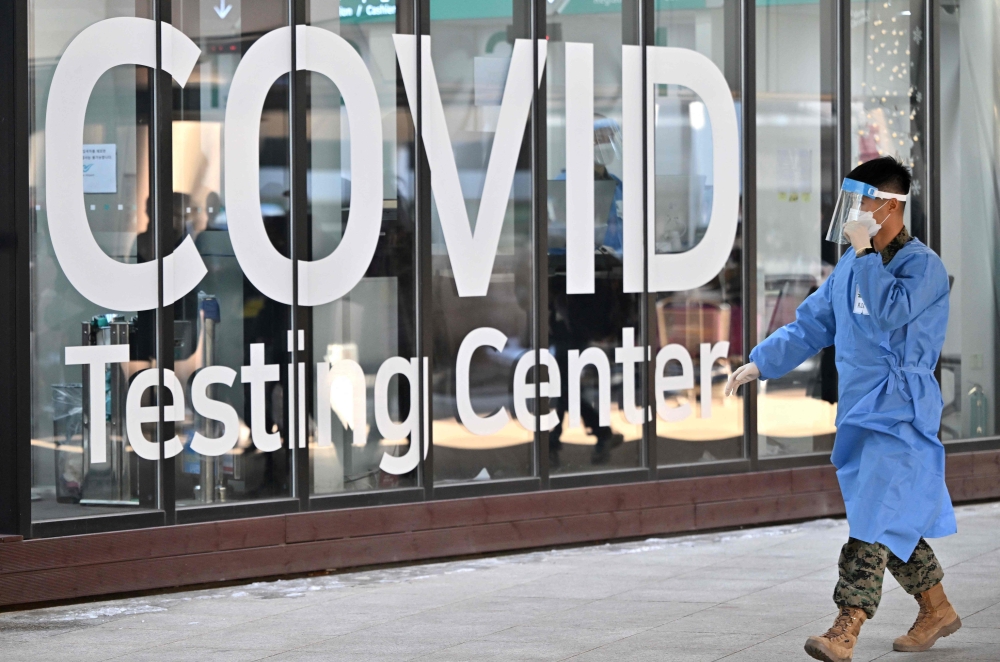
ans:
(896, 372)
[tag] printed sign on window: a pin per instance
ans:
(100, 169)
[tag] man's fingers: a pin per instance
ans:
(735, 380)
(742, 375)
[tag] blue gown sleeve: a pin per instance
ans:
(813, 329)
(895, 300)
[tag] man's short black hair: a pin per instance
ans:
(885, 173)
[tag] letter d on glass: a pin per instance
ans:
(677, 272)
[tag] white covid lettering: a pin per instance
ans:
(214, 410)
(473, 422)
(673, 272)
(257, 374)
(596, 357)
(665, 383)
(120, 286)
(137, 413)
(95, 357)
(523, 391)
(579, 168)
(472, 253)
(389, 429)
(349, 400)
(629, 355)
(97, 276)
(329, 278)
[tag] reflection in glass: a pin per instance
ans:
(67, 481)
(219, 322)
(970, 218)
(582, 322)
(887, 96)
(795, 413)
(375, 321)
(471, 51)
(706, 322)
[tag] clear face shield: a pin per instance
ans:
(848, 208)
(607, 141)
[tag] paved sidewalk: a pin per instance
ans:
(746, 595)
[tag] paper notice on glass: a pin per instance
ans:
(795, 171)
(100, 169)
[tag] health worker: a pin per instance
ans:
(885, 310)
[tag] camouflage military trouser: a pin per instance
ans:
(862, 568)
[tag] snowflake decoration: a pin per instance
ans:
(918, 35)
(919, 97)
(915, 187)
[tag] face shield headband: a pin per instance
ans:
(848, 207)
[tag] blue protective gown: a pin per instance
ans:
(888, 325)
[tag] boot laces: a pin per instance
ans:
(840, 626)
(923, 614)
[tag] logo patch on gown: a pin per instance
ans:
(859, 303)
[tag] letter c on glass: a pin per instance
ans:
(98, 277)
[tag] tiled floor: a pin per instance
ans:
(746, 595)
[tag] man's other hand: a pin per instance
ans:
(743, 375)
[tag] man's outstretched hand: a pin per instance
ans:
(742, 375)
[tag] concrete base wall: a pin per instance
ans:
(74, 567)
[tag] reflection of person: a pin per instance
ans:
(885, 308)
(573, 323)
(607, 440)
(607, 150)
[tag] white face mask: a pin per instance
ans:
(867, 219)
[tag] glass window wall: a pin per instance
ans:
(250, 425)
(795, 191)
(970, 217)
(584, 106)
(481, 244)
(888, 104)
(354, 337)
(702, 326)
(223, 323)
(89, 336)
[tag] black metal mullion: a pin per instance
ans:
(748, 93)
(932, 122)
(15, 295)
(931, 134)
(842, 91)
(422, 257)
(298, 246)
(637, 30)
(539, 240)
(647, 304)
(163, 238)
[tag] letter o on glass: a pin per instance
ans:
(321, 51)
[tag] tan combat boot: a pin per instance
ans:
(936, 619)
(837, 645)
